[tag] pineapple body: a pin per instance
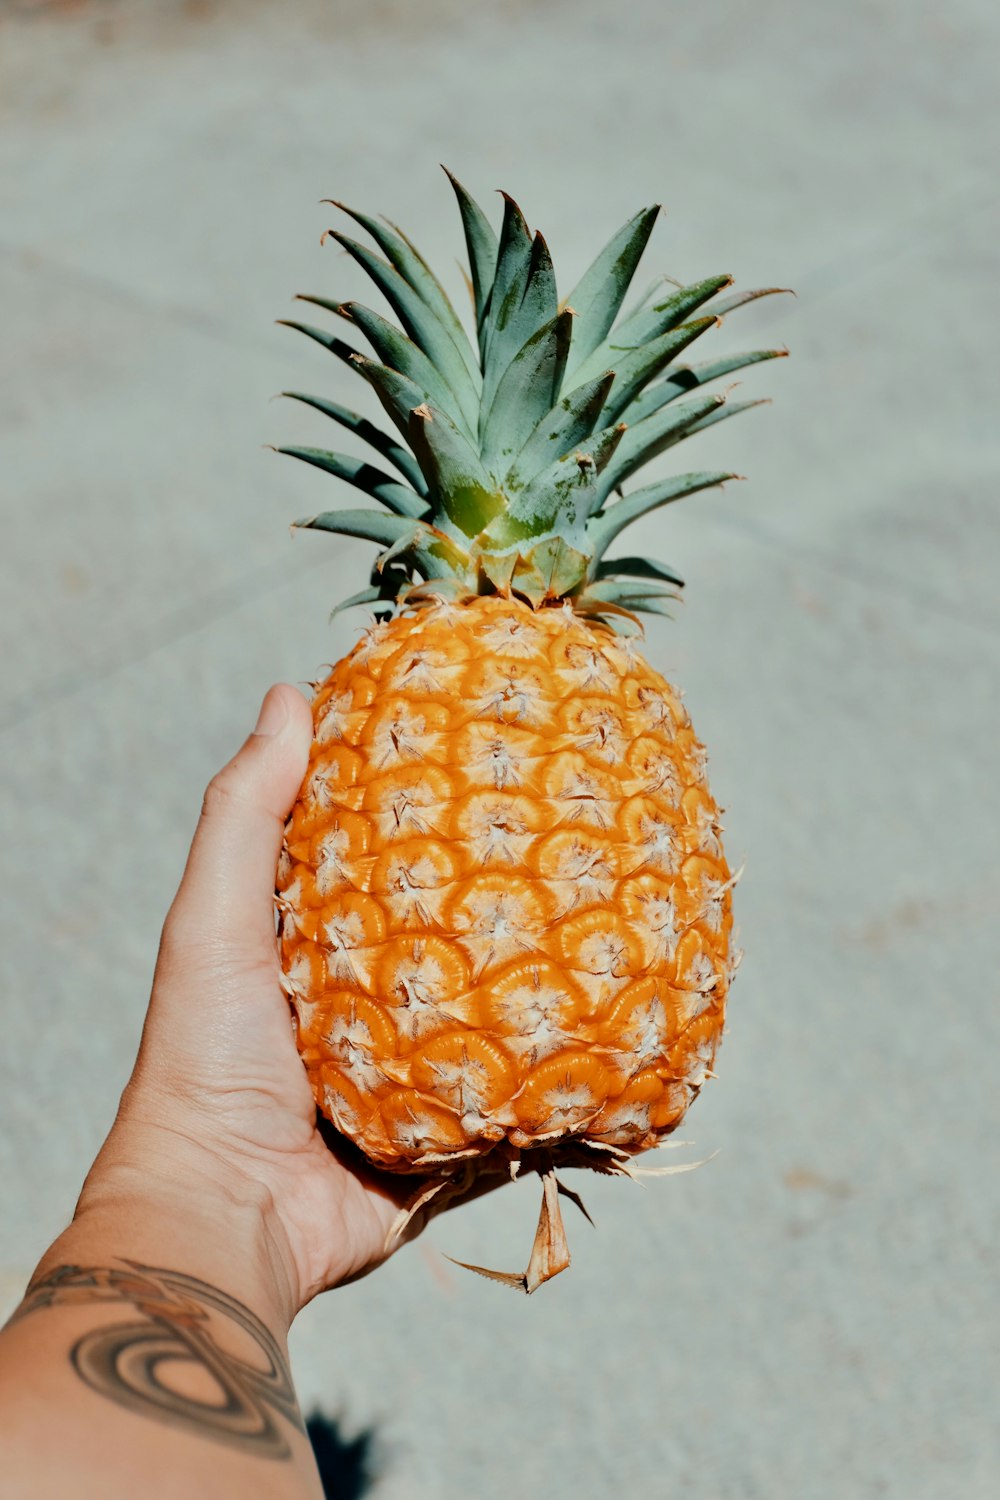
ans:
(506, 911)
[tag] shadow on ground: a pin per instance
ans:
(346, 1465)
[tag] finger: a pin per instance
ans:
(225, 896)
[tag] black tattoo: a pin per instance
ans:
(122, 1362)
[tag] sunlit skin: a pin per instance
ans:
(505, 913)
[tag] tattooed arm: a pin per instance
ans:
(148, 1357)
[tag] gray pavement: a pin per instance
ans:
(809, 1317)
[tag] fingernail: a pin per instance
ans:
(273, 715)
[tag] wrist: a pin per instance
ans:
(148, 1201)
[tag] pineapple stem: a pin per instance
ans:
(550, 1251)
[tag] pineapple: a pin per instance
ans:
(505, 911)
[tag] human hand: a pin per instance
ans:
(219, 1099)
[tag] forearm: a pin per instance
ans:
(149, 1356)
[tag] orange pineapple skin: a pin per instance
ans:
(505, 913)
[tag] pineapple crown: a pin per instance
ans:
(514, 452)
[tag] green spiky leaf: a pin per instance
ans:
(570, 422)
(635, 567)
(400, 353)
(394, 453)
(422, 325)
(568, 491)
(370, 595)
(326, 303)
(589, 603)
(649, 323)
(513, 260)
(639, 366)
(528, 391)
(647, 439)
(398, 395)
(328, 340)
(689, 377)
(514, 463)
(598, 295)
(462, 489)
(603, 528)
(724, 411)
(740, 299)
(371, 525)
(540, 302)
(560, 497)
(482, 247)
(434, 554)
(520, 306)
(625, 591)
(404, 256)
(382, 487)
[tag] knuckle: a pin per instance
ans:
(222, 793)
(194, 947)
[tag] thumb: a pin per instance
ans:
(224, 899)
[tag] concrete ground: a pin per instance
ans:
(809, 1317)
